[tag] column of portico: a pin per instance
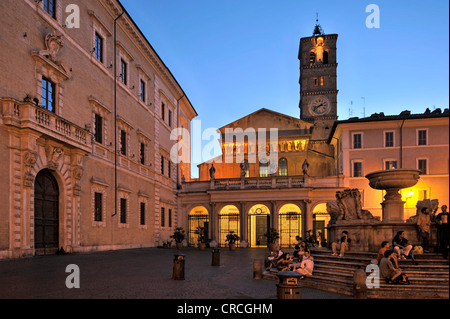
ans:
(213, 228)
(307, 216)
(274, 215)
(243, 215)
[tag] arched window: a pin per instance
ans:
(282, 167)
(325, 57)
(263, 169)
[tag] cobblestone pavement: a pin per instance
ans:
(142, 274)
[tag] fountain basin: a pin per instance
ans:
(393, 179)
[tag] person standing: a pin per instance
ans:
(443, 231)
(424, 224)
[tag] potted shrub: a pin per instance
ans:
(272, 237)
(231, 239)
(178, 236)
(202, 237)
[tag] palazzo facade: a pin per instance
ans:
(86, 114)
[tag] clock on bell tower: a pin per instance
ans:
(318, 80)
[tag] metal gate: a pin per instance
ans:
(194, 222)
(227, 223)
(290, 227)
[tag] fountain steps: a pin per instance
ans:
(429, 279)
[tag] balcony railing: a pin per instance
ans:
(258, 183)
(29, 115)
(275, 182)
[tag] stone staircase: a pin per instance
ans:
(429, 279)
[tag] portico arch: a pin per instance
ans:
(198, 217)
(290, 221)
(321, 218)
(229, 220)
(258, 225)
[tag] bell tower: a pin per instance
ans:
(318, 81)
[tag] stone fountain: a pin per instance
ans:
(392, 181)
(367, 231)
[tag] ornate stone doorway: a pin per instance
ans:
(46, 213)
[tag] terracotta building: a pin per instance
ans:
(71, 180)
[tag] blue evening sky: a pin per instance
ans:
(234, 57)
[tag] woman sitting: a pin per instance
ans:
(306, 266)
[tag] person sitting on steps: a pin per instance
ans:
(389, 272)
(342, 246)
(402, 247)
(306, 267)
(276, 256)
(385, 245)
(284, 262)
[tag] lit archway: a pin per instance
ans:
(321, 218)
(228, 221)
(258, 225)
(198, 217)
(290, 224)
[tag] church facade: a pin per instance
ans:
(261, 182)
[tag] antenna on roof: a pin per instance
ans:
(364, 107)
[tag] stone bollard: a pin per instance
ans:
(215, 257)
(359, 284)
(178, 267)
(257, 269)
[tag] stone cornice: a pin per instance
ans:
(319, 92)
(318, 66)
